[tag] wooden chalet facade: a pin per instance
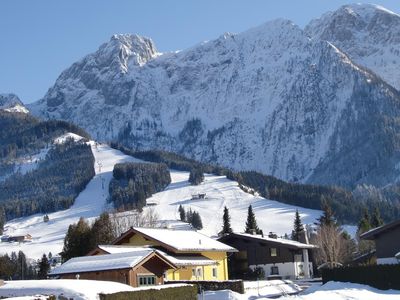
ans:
(387, 242)
(197, 257)
(138, 267)
(280, 258)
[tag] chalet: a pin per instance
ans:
(138, 267)
(387, 242)
(198, 196)
(197, 256)
(280, 258)
(20, 238)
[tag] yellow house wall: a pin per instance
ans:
(186, 273)
(139, 240)
(222, 265)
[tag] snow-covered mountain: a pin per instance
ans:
(369, 34)
(11, 103)
(270, 99)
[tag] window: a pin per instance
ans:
(273, 252)
(274, 270)
(197, 272)
(215, 272)
(146, 280)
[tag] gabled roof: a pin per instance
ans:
(371, 234)
(116, 261)
(177, 240)
(275, 241)
(197, 260)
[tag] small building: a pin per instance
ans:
(387, 242)
(280, 258)
(138, 267)
(20, 238)
(197, 256)
(4, 238)
(198, 196)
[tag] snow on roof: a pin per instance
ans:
(114, 261)
(278, 240)
(372, 233)
(112, 249)
(184, 240)
(198, 260)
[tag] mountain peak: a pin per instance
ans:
(11, 102)
(369, 34)
(127, 49)
(366, 10)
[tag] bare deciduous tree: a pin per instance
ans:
(334, 247)
(122, 221)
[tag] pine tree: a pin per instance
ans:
(2, 219)
(21, 267)
(327, 217)
(46, 218)
(298, 227)
(102, 231)
(226, 218)
(196, 176)
(196, 220)
(251, 223)
(76, 241)
(376, 219)
(182, 214)
(364, 224)
(44, 267)
(189, 216)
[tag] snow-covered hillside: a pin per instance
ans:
(271, 215)
(220, 192)
(89, 204)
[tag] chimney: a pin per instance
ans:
(303, 237)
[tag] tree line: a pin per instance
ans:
(191, 216)
(53, 186)
(24, 134)
(133, 183)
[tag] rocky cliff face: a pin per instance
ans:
(369, 34)
(271, 99)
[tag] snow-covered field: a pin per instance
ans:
(271, 215)
(329, 291)
(89, 289)
(75, 289)
(220, 192)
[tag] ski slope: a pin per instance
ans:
(91, 202)
(220, 192)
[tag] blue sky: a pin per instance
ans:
(39, 39)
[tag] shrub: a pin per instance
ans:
(188, 292)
